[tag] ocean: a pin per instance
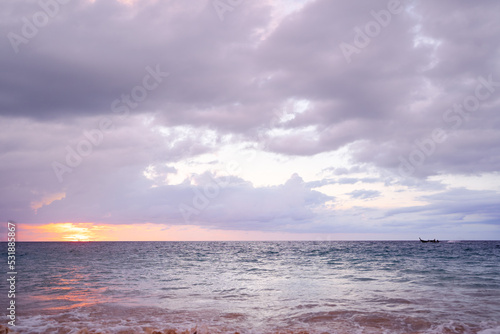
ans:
(256, 287)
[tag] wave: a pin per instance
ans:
(119, 320)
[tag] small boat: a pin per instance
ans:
(435, 240)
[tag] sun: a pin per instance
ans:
(74, 232)
(77, 237)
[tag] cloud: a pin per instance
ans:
(206, 200)
(278, 83)
(27, 172)
(458, 205)
(233, 76)
(364, 194)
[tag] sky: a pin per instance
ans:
(250, 120)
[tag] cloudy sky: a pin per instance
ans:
(250, 120)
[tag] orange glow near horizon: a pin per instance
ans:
(133, 232)
(157, 232)
(63, 232)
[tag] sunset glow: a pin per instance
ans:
(76, 232)
(63, 232)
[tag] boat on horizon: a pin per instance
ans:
(434, 240)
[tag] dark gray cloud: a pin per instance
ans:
(398, 89)
(91, 53)
(233, 75)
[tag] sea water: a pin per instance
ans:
(257, 287)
